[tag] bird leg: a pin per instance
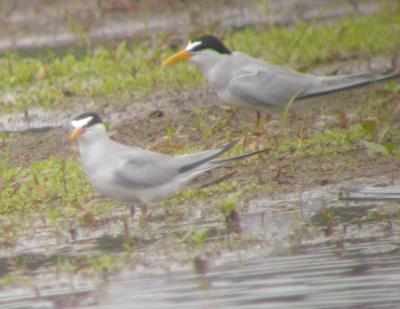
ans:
(132, 212)
(256, 129)
(258, 120)
(144, 215)
(259, 129)
(125, 222)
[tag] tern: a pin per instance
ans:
(242, 81)
(135, 175)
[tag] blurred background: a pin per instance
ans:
(33, 24)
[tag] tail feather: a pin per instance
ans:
(330, 84)
(224, 161)
(221, 162)
(203, 160)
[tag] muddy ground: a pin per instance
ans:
(147, 129)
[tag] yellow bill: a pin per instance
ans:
(76, 133)
(180, 56)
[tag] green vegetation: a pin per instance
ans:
(29, 83)
(311, 44)
(51, 192)
(118, 73)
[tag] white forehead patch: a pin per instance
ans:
(81, 122)
(192, 45)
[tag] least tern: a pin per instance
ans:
(242, 81)
(134, 175)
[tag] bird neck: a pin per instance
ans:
(205, 61)
(93, 140)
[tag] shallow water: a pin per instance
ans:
(365, 274)
(354, 265)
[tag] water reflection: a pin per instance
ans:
(356, 266)
(308, 251)
(315, 277)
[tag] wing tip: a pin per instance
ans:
(209, 158)
(230, 145)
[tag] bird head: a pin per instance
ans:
(204, 44)
(85, 123)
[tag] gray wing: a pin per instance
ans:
(141, 169)
(269, 85)
(144, 169)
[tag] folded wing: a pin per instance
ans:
(267, 85)
(142, 169)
